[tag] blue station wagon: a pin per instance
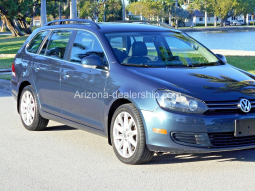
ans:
(147, 88)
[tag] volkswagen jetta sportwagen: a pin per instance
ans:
(146, 88)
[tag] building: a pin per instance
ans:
(249, 18)
(199, 18)
(37, 21)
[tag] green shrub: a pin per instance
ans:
(28, 19)
(208, 24)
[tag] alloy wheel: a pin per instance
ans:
(27, 108)
(125, 134)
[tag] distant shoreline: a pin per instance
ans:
(218, 29)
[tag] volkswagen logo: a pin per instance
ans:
(245, 105)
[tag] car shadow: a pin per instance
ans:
(242, 155)
(59, 128)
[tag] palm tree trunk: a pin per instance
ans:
(60, 10)
(3, 28)
(12, 27)
(73, 9)
(215, 21)
(123, 11)
(205, 18)
(24, 25)
(43, 12)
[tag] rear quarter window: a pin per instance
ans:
(36, 42)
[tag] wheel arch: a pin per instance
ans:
(21, 87)
(114, 106)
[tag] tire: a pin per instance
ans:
(29, 114)
(123, 143)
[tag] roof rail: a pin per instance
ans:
(148, 21)
(75, 21)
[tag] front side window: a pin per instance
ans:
(36, 42)
(58, 43)
(86, 44)
(161, 49)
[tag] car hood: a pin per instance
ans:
(210, 83)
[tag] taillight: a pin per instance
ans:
(13, 69)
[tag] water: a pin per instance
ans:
(229, 40)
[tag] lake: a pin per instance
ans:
(228, 40)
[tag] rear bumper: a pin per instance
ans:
(200, 125)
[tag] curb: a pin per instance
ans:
(6, 70)
(7, 55)
(5, 85)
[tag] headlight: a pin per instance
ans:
(179, 102)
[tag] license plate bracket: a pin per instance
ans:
(244, 127)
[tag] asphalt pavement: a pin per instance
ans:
(65, 158)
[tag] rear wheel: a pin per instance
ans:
(29, 112)
(128, 136)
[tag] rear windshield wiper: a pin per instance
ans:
(137, 65)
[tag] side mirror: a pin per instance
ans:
(93, 61)
(222, 58)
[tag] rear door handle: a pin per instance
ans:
(66, 76)
(36, 67)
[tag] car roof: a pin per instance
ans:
(108, 27)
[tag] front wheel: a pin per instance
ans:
(128, 136)
(29, 111)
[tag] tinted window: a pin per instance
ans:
(86, 44)
(58, 43)
(36, 42)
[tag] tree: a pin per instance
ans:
(113, 10)
(89, 9)
(73, 9)
(3, 28)
(9, 9)
(179, 13)
(43, 12)
(203, 5)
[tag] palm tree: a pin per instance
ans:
(73, 9)
(43, 12)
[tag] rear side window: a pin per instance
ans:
(58, 43)
(36, 42)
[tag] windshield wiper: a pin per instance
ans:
(137, 65)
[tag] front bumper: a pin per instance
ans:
(204, 125)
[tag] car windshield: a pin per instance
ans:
(159, 49)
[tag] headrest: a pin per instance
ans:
(139, 49)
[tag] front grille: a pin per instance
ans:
(227, 107)
(229, 140)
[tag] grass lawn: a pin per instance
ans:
(244, 62)
(10, 45)
(5, 63)
(6, 77)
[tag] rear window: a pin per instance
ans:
(36, 42)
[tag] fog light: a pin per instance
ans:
(161, 131)
(191, 139)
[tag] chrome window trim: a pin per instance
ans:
(66, 60)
